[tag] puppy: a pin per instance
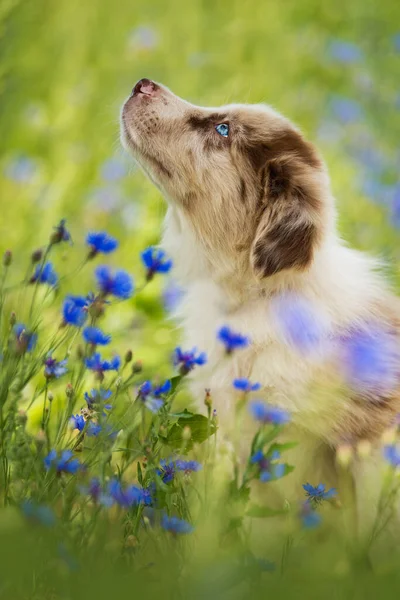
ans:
(251, 227)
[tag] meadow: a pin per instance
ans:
(110, 482)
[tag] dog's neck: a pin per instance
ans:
(338, 276)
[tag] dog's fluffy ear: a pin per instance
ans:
(288, 222)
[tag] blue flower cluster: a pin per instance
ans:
(65, 463)
(187, 360)
(53, 369)
(169, 468)
(151, 395)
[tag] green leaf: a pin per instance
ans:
(186, 414)
(263, 512)
(281, 447)
(201, 429)
(139, 473)
(175, 381)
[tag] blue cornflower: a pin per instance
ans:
(78, 422)
(188, 466)
(268, 414)
(317, 494)
(95, 363)
(25, 340)
(101, 241)
(97, 397)
(45, 274)
(53, 369)
(392, 455)
(175, 525)
(300, 325)
(155, 261)
(308, 515)
(345, 52)
(129, 496)
(61, 233)
(38, 513)
(168, 468)
(269, 469)
(96, 491)
(187, 360)
(118, 284)
(63, 464)
(150, 395)
(94, 336)
(370, 359)
(75, 310)
(231, 339)
(244, 385)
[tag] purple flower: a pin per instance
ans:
(75, 310)
(370, 360)
(298, 323)
(155, 261)
(129, 496)
(231, 339)
(187, 360)
(53, 369)
(97, 364)
(118, 284)
(269, 470)
(25, 340)
(244, 385)
(45, 274)
(168, 468)
(188, 466)
(318, 493)
(94, 336)
(101, 241)
(175, 525)
(63, 464)
(268, 414)
(344, 52)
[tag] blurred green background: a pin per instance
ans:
(66, 67)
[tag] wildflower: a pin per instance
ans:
(37, 256)
(45, 274)
(129, 496)
(78, 422)
(369, 360)
(100, 242)
(345, 52)
(113, 169)
(155, 261)
(175, 525)
(94, 336)
(172, 295)
(119, 284)
(187, 360)
(188, 466)
(231, 339)
(392, 455)
(97, 397)
(38, 513)
(96, 364)
(318, 494)
(61, 233)
(346, 110)
(299, 324)
(75, 309)
(268, 414)
(25, 340)
(244, 385)
(269, 470)
(96, 492)
(54, 369)
(309, 517)
(168, 469)
(151, 395)
(63, 464)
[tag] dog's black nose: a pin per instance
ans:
(145, 87)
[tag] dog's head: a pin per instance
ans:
(247, 182)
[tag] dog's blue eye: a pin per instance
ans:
(222, 129)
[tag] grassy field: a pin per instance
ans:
(66, 67)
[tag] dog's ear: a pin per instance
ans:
(288, 220)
